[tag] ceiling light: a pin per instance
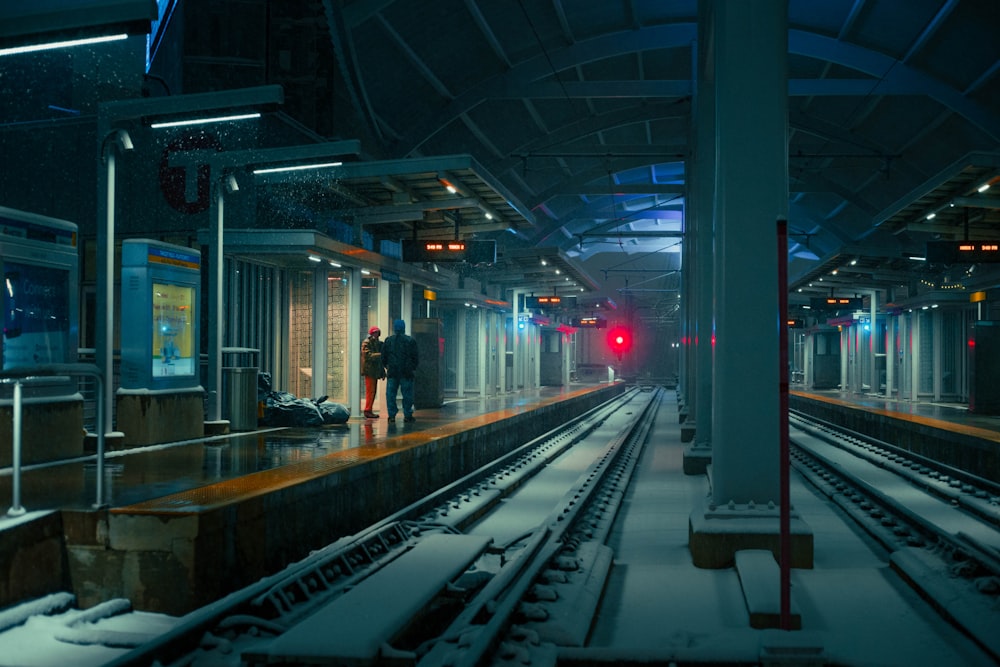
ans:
(297, 167)
(334, 264)
(204, 121)
(32, 48)
(314, 258)
(983, 188)
(931, 216)
(365, 272)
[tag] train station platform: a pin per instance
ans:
(186, 523)
(945, 432)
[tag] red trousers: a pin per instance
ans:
(371, 384)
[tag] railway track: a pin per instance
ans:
(482, 568)
(940, 525)
(508, 564)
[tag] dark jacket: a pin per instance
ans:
(399, 355)
(371, 358)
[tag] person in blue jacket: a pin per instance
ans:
(400, 357)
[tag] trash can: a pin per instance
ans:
(239, 388)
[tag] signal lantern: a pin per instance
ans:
(619, 340)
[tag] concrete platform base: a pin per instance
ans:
(175, 553)
(697, 459)
(687, 432)
(51, 429)
(113, 442)
(715, 534)
(219, 427)
(682, 415)
(148, 417)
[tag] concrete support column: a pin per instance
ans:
(846, 359)
(748, 73)
(699, 235)
(483, 342)
(460, 352)
(875, 383)
(891, 322)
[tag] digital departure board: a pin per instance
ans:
(590, 323)
(836, 303)
(542, 302)
(963, 252)
(474, 252)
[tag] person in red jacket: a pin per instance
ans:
(371, 368)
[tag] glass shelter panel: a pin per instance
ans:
(473, 344)
(925, 385)
(36, 322)
(337, 309)
(250, 298)
(300, 348)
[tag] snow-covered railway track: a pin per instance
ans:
(941, 527)
(448, 580)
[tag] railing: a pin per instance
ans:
(17, 377)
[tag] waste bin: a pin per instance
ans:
(239, 388)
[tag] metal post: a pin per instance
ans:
(49, 370)
(784, 503)
(16, 509)
(99, 381)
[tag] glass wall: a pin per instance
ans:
(300, 334)
(473, 343)
(337, 335)
(251, 303)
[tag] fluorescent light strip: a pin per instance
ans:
(298, 167)
(31, 48)
(203, 121)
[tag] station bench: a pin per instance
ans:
(760, 578)
(359, 625)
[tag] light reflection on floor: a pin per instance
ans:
(140, 474)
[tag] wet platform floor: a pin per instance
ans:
(140, 474)
(955, 417)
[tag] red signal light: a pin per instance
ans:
(619, 340)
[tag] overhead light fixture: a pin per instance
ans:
(449, 183)
(297, 167)
(314, 258)
(32, 48)
(983, 188)
(334, 264)
(930, 216)
(204, 121)
(365, 272)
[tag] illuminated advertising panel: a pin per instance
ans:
(173, 330)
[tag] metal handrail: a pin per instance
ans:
(49, 370)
